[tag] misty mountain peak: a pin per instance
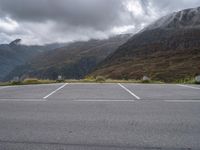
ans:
(188, 18)
(15, 42)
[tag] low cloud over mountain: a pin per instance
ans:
(48, 21)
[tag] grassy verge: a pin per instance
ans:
(188, 80)
(27, 82)
(99, 79)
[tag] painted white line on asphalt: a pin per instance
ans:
(55, 91)
(183, 101)
(4, 87)
(187, 86)
(103, 100)
(129, 91)
(22, 100)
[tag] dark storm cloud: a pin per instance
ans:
(45, 21)
(99, 14)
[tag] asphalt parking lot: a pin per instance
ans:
(100, 116)
(101, 92)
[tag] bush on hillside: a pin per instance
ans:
(100, 79)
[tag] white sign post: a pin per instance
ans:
(59, 78)
(145, 78)
(197, 79)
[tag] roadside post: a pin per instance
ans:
(60, 78)
(197, 79)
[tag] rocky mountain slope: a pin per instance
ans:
(167, 50)
(73, 61)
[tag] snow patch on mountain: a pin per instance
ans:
(188, 18)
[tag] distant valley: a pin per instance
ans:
(73, 61)
(16, 54)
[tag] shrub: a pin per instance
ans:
(89, 78)
(187, 80)
(31, 81)
(60, 81)
(100, 79)
(16, 82)
(145, 81)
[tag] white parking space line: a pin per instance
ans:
(183, 101)
(134, 95)
(22, 100)
(55, 91)
(187, 86)
(103, 100)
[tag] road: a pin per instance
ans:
(100, 116)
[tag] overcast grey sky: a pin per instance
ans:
(48, 21)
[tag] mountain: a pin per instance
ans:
(15, 42)
(16, 54)
(73, 61)
(167, 50)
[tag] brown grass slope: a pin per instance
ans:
(167, 50)
(162, 54)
